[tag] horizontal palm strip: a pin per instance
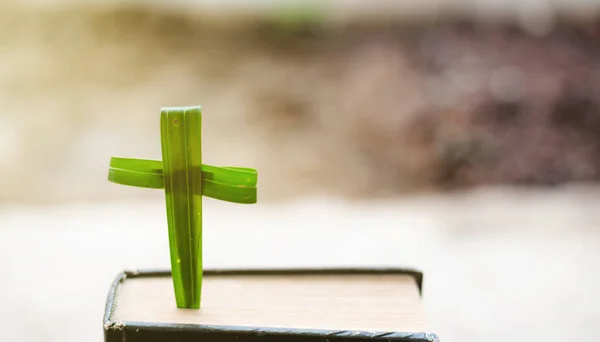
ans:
(231, 184)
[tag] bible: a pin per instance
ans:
(302, 305)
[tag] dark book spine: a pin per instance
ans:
(145, 332)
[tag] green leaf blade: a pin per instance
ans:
(238, 176)
(230, 184)
(181, 136)
(136, 172)
(229, 193)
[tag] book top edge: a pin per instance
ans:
(415, 273)
(281, 271)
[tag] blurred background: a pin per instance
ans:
(458, 137)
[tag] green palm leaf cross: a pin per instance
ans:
(185, 180)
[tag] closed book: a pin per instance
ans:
(298, 305)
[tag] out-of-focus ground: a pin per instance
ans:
(499, 264)
(359, 118)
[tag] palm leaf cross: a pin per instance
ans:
(185, 180)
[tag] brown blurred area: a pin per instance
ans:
(382, 103)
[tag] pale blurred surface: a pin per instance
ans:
(499, 265)
(357, 120)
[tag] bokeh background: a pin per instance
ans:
(458, 137)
